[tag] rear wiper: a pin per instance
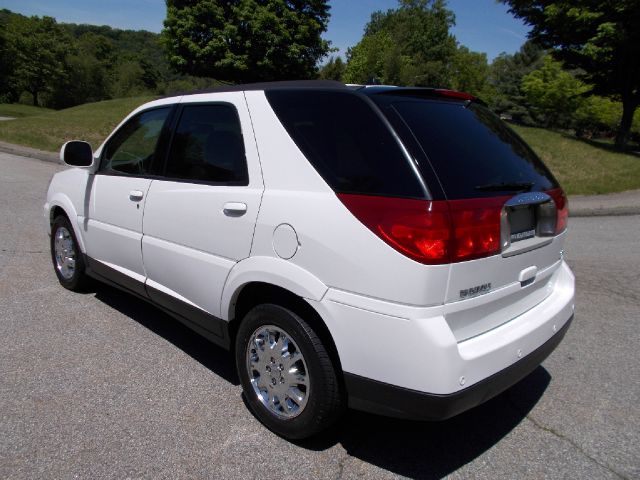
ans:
(506, 186)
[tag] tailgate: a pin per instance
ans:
(486, 293)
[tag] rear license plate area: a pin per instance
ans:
(522, 222)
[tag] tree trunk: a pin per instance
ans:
(35, 98)
(628, 109)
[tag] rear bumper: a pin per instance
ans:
(389, 350)
(389, 400)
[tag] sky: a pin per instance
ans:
(481, 25)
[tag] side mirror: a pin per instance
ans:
(77, 154)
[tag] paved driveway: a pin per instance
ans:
(100, 385)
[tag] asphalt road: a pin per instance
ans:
(100, 385)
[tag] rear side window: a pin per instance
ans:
(347, 142)
(473, 153)
(207, 146)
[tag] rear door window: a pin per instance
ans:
(473, 153)
(347, 141)
(207, 146)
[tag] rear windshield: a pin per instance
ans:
(347, 141)
(472, 152)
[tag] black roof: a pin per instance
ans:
(369, 90)
(289, 84)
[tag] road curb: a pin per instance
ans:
(603, 212)
(29, 152)
(614, 204)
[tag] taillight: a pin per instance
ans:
(476, 225)
(432, 232)
(419, 229)
(562, 207)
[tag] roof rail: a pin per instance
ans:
(265, 86)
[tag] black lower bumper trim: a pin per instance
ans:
(392, 401)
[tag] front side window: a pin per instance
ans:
(208, 146)
(131, 149)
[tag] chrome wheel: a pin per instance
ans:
(277, 371)
(64, 253)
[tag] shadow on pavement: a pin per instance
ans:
(413, 449)
(216, 359)
(434, 449)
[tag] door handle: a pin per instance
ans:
(135, 195)
(234, 209)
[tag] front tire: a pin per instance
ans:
(68, 262)
(289, 381)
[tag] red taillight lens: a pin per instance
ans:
(420, 229)
(432, 232)
(562, 207)
(476, 227)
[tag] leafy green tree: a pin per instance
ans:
(40, 46)
(600, 37)
(505, 82)
(554, 93)
(129, 80)
(246, 40)
(367, 61)
(470, 72)
(333, 70)
(409, 45)
(7, 92)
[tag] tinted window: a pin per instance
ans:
(132, 147)
(473, 153)
(347, 142)
(208, 146)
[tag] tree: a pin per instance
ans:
(505, 79)
(7, 92)
(246, 40)
(367, 61)
(554, 93)
(333, 70)
(410, 45)
(600, 37)
(40, 46)
(470, 71)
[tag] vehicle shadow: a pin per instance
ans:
(426, 450)
(433, 450)
(216, 359)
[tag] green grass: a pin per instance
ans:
(91, 122)
(17, 110)
(583, 166)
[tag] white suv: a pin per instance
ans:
(396, 250)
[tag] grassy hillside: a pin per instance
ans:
(17, 110)
(48, 131)
(582, 166)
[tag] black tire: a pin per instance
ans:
(326, 400)
(79, 280)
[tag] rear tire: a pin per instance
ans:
(68, 262)
(289, 380)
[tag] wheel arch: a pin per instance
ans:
(256, 293)
(258, 280)
(60, 204)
